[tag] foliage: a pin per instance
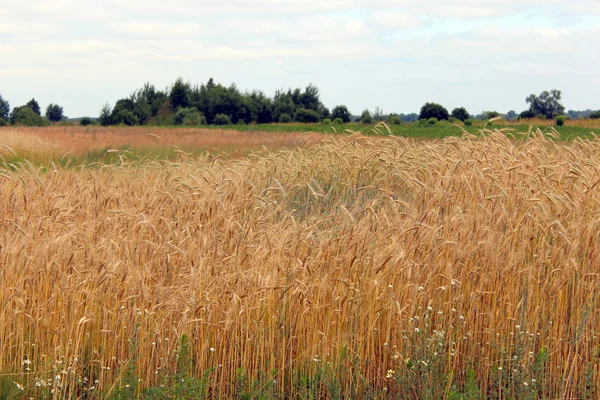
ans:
(327, 121)
(85, 121)
(25, 116)
(54, 113)
(366, 118)
(125, 117)
(511, 115)
(189, 117)
(338, 121)
(468, 122)
(306, 115)
(560, 120)
(433, 110)
(33, 104)
(341, 112)
(595, 115)
(180, 94)
(547, 103)
(222, 119)
(105, 118)
(394, 119)
(460, 113)
(491, 114)
(432, 121)
(285, 118)
(4, 108)
(528, 114)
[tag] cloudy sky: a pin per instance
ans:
(395, 54)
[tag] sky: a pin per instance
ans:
(392, 54)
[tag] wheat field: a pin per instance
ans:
(356, 268)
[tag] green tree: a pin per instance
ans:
(54, 112)
(180, 94)
(85, 121)
(595, 115)
(105, 117)
(25, 116)
(4, 108)
(33, 104)
(341, 112)
(547, 103)
(366, 117)
(460, 113)
(189, 117)
(433, 110)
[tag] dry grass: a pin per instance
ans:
(580, 123)
(356, 256)
(41, 145)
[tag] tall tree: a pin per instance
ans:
(460, 113)
(33, 104)
(4, 108)
(180, 94)
(547, 103)
(433, 110)
(342, 112)
(54, 112)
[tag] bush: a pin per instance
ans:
(433, 110)
(3, 122)
(85, 121)
(468, 122)
(305, 115)
(560, 120)
(189, 117)
(394, 120)
(327, 121)
(432, 121)
(222, 119)
(285, 119)
(338, 121)
(126, 117)
(595, 115)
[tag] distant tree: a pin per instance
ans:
(4, 108)
(306, 115)
(511, 115)
(325, 113)
(528, 114)
(491, 114)
(33, 104)
(433, 110)
(105, 117)
(412, 117)
(547, 103)
(378, 114)
(394, 119)
(595, 114)
(85, 121)
(366, 117)
(341, 112)
(180, 93)
(25, 116)
(189, 117)
(54, 113)
(560, 120)
(460, 113)
(125, 117)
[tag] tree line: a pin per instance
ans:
(212, 103)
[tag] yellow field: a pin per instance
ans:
(381, 267)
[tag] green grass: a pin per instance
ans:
(410, 130)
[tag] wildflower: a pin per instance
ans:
(19, 386)
(390, 373)
(212, 349)
(420, 288)
(417, 330)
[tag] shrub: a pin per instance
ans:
(595, 115)
(222, 119)
(338, 121)
(432, 121)
(394, 119)
(560, 120)
(54, 113)
(126, 117)
(468, 122)
(85, 121)
(327, 121)
(305, 115)
(285, 119)
(433, 110)
(3, 122)
(189, 117)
